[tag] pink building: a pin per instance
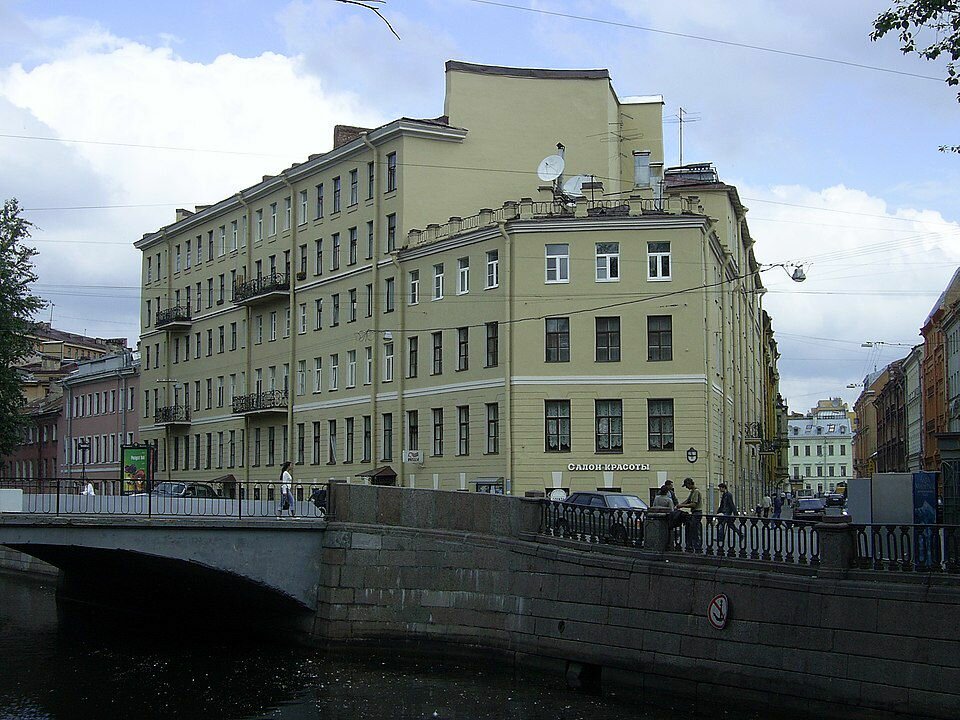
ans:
(99, 416)
(37, 456)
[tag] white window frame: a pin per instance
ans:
(414, 298)
(388, 362)
(608, 263)
(493, 269)
(334, 374)
(273, 219)
(556, 264)
(351, 368)
(463, 276)
(302, 220)
(318, 374)
(438, 281)
(655, 271)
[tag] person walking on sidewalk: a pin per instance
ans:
(285, 502)
(727, 511)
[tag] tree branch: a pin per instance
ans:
(367, 4)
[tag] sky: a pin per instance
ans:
(113, 114)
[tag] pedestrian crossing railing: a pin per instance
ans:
(750, 538)
(616, 526)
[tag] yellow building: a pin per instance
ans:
(568, 342)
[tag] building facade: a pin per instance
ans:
(36, 456)
(558, 343)
(912, 373)
(821, 448)
(100, 415)
(891, 413)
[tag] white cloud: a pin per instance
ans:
(97, 87)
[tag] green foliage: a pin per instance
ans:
(928, 28)
(17, 306)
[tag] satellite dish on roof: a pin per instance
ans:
(574, 186)
(550, 168)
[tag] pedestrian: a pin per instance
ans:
(777, 505)
(668, 484)
(88, 489)
(726, 511)
(766, 504)
(693, 503)
(286, 497)
(662, 499)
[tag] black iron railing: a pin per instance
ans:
(175, 314)
(188, 498)
(270, 400)
(721, 536)
(263, 285)
(171, 414)
(908, 548)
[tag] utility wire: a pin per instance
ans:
(702, 38)
(138, 145)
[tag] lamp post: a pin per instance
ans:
(83, 446)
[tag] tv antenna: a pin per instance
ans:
(683, 116)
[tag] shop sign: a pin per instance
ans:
(608, 467)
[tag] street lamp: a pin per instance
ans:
(83, 446)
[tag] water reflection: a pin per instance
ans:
(82, 664)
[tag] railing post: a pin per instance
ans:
(58, 495)
(838, 544)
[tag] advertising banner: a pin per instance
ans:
(925, 513)
(135, 470)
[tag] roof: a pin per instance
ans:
(539, 73)
(810, 427)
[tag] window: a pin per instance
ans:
(493, 344)
(187, 256)
(301, 377)
(302, 319)
(558, 339)
(658, 261)
(317, 374)
(369, 239)
(367, 434)
(413, 431)
(271, 445)
(659, 338)
(336, 194)
(222, 245)
(331, 442)
(209, 292)
(558, 263)
(463, 430)
(220, 339)
(302, 216)
(388, 362)
(318, 251)
(352, 297)
(334, 371)
(437, 352)
(806, 450)
(463, 276)
(348, 441)
(413, 346)
(351, 368)
(273, 325)
(335, 252)
(223, 289)
(608, 262)
(437, 432)
(391, 172)
(608, 339)
(609, 416)
(176, 263)
(209, 393)
(493, 428)
(302, 267)
(391, 232)
(273, 219)
(387, 419)
(234, 233)
(463, 348)
(354, 194)
(369, 300)
(557, 425)
(370, 177)
(660, 424)
(319, 201)
(352, 251)
(414, 277)
(335, 310)
(438, 281)
(318, 310)
(368, 365)
(493, 269)
(389, 295)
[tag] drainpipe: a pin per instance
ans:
(398, 373)
(708, 345)
(248, 372)
(375, 278)
(291, 278)
(508, 351)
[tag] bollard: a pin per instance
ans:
(656, 530)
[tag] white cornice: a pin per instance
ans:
(609, 380)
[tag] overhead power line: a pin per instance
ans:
(703, 38)
(138, 145)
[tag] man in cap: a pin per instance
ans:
(693, 503)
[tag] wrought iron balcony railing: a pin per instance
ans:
(260, 287)
(171, 414)
(175, 314)
(257, 402)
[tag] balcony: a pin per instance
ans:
(261, 289)
(272, 401)
(174, 318)
(172, 415)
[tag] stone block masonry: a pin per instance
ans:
(438, 568)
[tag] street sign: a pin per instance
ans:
(718, 611)
(692, 455)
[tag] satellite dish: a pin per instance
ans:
(574, 186)
(550, 168)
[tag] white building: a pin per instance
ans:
(821, 447)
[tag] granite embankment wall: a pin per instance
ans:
(439, 568)
(12, 560)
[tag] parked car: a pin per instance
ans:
(616, 526)
(835, 500)
(185, 490)
(809, 509)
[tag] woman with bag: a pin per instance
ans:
(286, 496)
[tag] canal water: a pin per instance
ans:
(73, 663)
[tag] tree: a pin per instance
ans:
(17, 306)
(937, 22)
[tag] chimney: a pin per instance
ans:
(183, 214)
(343, 134)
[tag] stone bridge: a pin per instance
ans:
(446, 571)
